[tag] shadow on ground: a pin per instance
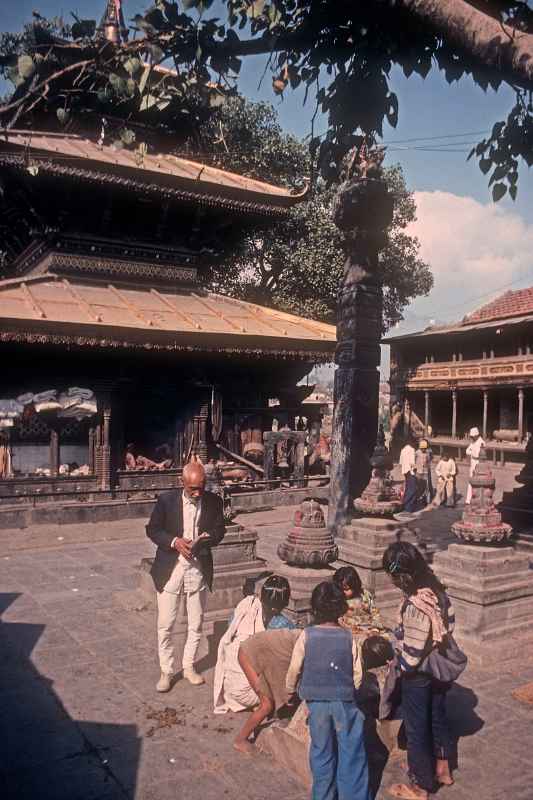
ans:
(45, 753)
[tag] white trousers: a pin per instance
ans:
(168, 607)
(473, 464)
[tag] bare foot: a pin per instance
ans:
(442, 772)
(406, 791)
(244, 746)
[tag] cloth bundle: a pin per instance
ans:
(10, 409)
(46, 401)
(77, 403)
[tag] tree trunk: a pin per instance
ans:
(493, 44)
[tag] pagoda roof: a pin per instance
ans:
(52, 309)
(161, 173)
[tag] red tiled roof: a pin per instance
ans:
(510, 304)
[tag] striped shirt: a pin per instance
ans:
(414, 633)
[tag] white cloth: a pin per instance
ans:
(231, 690)
(184, 591)
(407, 459)
(169, 605)
(473, 451)
(187, 575)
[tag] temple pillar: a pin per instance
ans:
(363, 209)
(103, 448)
(485, 412)
(520, 414)
(426, 411)
(92, 444)
(54, 452)
(454, 413)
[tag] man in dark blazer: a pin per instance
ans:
(185, 524)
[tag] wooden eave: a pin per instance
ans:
(168, 176)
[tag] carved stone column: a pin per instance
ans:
(103, 448)
(520, 414)
(485, 412)
(454, 413)
(92, 441)
(363, 210)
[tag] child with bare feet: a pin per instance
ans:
(362, 612)
(327, 666)
(264, 658)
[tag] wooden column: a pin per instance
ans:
(269, 458)
(485, 412)
(54, 452)
(299, 461)
(520, 414)
(426, 411)
(363, 210)
(92, 444)
(103, 448)
(454, 412)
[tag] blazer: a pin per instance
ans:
(166, 522)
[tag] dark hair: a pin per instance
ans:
(328, 602)
(376, 651)
(276, 593)
(405, 562)
(348, 576)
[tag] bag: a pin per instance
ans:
(446, 662)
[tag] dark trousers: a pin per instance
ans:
(426, 726)
(410, 497)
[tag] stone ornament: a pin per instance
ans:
(309, 543)
(379, 499)
(481, 521)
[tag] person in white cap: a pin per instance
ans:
(473, 450)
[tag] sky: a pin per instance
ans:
(477, 249)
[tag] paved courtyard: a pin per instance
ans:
(81, 720)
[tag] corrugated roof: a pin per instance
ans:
(509, 304)
(69, 150)
(49, 299)
(458, 328)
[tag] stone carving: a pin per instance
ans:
(309, 543)
(379, 499)
(481, 521)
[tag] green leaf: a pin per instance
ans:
(255, 9)
(189, 4)
(26, 66)
(498, 191)
(148, 101)
(485, 164)
(127, 136)
(513, 190)
(216, 100)
(132, 65)
(83, 29)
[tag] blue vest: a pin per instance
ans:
(328, 665)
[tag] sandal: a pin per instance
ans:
(405, 792)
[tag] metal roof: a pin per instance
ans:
(54, 301)
(70, 154)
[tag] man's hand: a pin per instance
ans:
(183, 546)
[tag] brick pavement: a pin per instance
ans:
(77, 675)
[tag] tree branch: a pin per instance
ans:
(488, 40)
(43, 85)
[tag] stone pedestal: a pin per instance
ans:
(234, 560)
(492, 592)
(362, 544)
(302, 582)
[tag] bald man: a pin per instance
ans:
(185, 524)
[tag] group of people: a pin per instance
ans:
(416, 467)
(266, 665)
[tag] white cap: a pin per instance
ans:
(474, 432)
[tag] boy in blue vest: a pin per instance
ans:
(327, 664)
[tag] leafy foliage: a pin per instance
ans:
(297, 265)
(342, 53)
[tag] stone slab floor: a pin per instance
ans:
(80, 719)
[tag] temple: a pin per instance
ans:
(122, 365)
(477, 372)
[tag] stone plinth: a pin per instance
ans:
(235, 560)
(492, 592)
(362, 544)
(481, 521)
(302, 582)
(309, 542)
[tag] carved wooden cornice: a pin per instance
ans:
(49, 166)
(72, 264)
(116, 343)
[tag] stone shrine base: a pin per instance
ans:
(491, 588)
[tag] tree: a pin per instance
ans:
(297, 265)
(342, 52)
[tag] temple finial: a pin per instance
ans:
(112, 26)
